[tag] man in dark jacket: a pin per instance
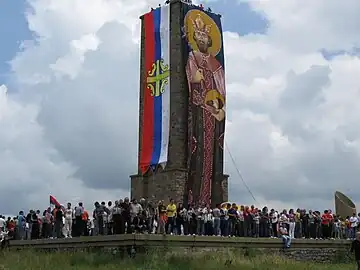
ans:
(355, 248)
(58, 221)
(126, 221)
(98, 215)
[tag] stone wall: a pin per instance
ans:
(323, 255)
(318, 255)
(225, 185)
(164, 185)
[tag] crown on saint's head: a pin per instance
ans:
(200, 26)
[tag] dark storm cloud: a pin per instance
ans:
(303, 94)
(304, 90)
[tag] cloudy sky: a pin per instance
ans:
(69, 100)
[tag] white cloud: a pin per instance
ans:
(71, 63)
(307, 26)
(292, 114)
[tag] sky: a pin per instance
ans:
(13, 30)
(69, 121)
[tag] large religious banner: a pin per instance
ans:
(206, 82)
(156, 102)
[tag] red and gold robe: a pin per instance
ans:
(206, 133)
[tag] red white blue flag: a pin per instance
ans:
(156, 105)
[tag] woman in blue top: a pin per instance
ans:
(21, 226)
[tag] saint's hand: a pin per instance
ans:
(198, 77)
(219, 114)
(211, 109)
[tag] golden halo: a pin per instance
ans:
(214, 33)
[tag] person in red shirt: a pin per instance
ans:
(11, 228)
(247, 222)
(85, 219)
(326, 220)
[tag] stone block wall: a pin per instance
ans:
(178, 143)
(164, 185)
(225, 188)
(316, 255)
(320, 255)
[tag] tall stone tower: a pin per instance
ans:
(183, 175)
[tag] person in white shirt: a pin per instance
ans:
(274, 222)
(68, 216)
(284, 217)
(224, 221)
(191, 219)
(337, 228)
(92, 227)
(241, 219)
(200, 220)
(209, 221)
(109, 220)
(2, 224)
(256, 219)
(283, 232)
(353, 224)
(216, 216)
(135, 210)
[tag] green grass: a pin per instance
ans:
(30, 260)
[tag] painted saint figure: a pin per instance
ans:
(206, 79)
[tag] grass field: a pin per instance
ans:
(89, 261)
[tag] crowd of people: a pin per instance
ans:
(226, 220)
(189, 2)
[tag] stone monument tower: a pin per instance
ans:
(191, 171)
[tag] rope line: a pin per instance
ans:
(239, 173)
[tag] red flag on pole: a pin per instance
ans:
(53, 201)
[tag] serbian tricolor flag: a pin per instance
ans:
(53, 201)
(156, 102)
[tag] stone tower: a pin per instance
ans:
(173, 180)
